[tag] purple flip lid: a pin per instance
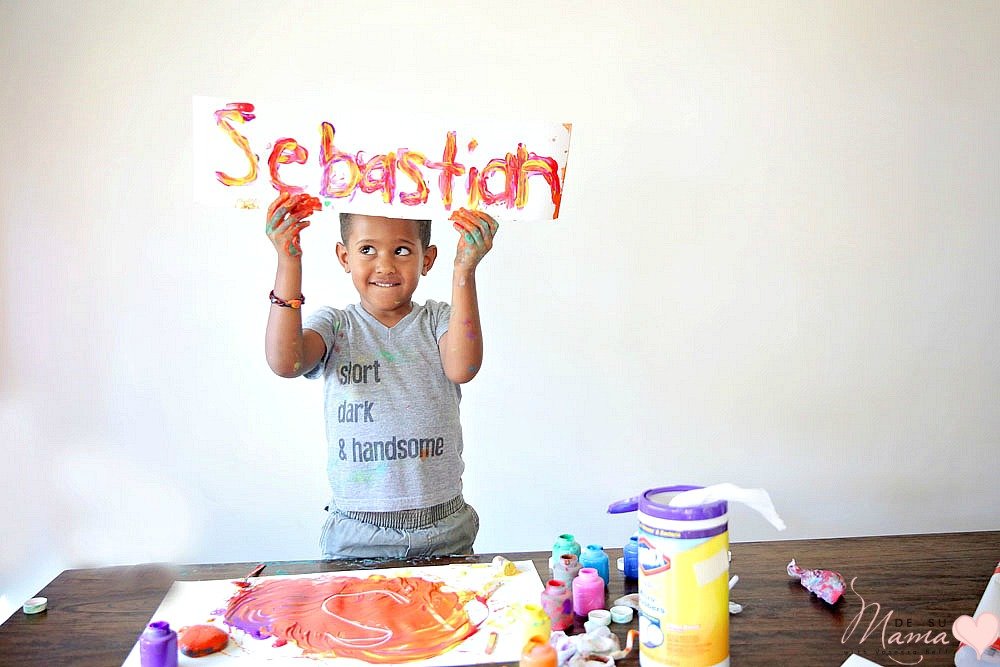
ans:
(662, 510)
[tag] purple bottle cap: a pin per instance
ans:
(624, 506)
(160, 627)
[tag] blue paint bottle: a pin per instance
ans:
(595, 557)
(631, 561)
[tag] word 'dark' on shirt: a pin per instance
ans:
(246, 153)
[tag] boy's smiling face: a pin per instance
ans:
(385, 258)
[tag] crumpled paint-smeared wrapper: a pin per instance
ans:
(827, 585)
(504, 566)
(630, 600)
(597, 647)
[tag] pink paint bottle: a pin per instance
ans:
(158, 645)
(588, 592)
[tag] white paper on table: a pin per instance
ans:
(201, 602)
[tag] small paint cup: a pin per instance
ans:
(35, 605)
(621, 614)
(601, 616)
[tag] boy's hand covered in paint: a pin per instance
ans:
(286, 218)
(476, 231)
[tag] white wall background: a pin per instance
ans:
(776, 265)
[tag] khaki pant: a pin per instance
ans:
(345, 537)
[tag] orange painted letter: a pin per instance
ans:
(542, 166)
(385, 166)
(238, 112)
(409, 163)
(328, 157)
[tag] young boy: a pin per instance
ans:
(392, 370)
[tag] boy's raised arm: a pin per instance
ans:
(462, 346)
(290, 352)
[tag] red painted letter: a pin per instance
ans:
(449, 169)
(284, 152)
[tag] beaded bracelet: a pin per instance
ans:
(291, 303)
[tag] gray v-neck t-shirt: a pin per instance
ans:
(392, 416)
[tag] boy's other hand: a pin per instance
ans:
(286, 218)
(476, 230)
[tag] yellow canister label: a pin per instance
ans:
(683, 600)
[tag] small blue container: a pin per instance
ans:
(595, 557)
(631, 569)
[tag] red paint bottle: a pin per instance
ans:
(565, 569)
(557, 601)
(158, 645)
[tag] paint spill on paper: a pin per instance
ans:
(432, 615)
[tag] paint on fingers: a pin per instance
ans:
(276, 219)
(279, 201)
(304, 205)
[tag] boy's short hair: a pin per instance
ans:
(423, 229)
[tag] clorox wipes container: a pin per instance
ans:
(684, 575)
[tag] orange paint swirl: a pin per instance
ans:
(377, 619)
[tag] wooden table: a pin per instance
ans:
(921, 583)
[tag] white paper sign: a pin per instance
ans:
(376, 164)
